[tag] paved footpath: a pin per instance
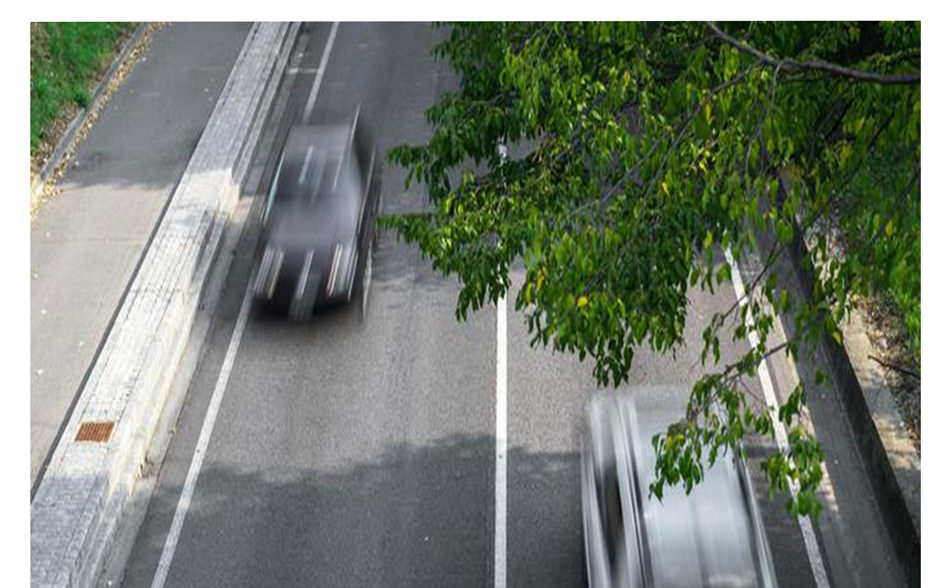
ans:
(87, 241)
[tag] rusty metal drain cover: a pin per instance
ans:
(95, 432)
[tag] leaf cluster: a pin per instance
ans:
(651, 149)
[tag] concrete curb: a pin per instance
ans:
(889, 455)
(66, 141)
(86, 487)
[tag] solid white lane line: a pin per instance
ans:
(501, 432)
(312, 99)
(781, 437)
(501, 445)
(184, 501)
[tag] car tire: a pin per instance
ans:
(367, 280)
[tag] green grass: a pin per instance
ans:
(66, 60)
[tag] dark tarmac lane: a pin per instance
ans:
(362, 453)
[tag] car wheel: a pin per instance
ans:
(367, 279)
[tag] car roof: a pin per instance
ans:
(682, 532)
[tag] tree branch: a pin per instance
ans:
(895, 367)
(830, 68)
(680, 132)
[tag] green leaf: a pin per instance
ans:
(598, 105)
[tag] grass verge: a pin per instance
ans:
(66, 61)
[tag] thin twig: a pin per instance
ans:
(680, 131)
(895, 367)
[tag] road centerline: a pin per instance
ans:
(501, 444)
(501, 431)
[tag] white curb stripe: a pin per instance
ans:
(184, 501)
(781, 437)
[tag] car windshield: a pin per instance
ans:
(318, 179)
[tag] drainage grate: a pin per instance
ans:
(95, 432)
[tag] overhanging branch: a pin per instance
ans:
(825, 66)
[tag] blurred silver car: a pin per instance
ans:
(713, 537)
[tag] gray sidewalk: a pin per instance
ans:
(86, 242)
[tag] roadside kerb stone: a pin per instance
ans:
(86, 485)
(890, 456)
(887, 452)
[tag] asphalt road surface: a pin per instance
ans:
(363, 453)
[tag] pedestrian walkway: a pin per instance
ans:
(87, 241)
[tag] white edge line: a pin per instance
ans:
(184, 501)
(312, 99)
(501, 445)
(781, 437)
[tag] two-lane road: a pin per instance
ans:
(363, 453)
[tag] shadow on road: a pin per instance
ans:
(413, 516)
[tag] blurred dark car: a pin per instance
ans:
(319, 220)
(713, 537)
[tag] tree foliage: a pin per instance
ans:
(655, 146)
